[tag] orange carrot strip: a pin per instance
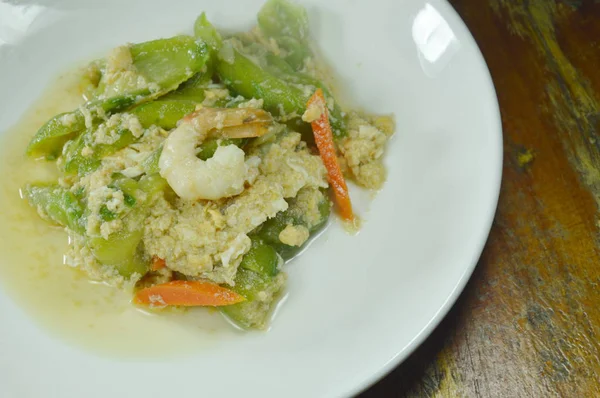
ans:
(324, 139)
(188, 294)
(157, 263)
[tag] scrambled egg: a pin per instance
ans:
(294, 235)
(208, 239)
(362, 150)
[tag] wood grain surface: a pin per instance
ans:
(528, 323)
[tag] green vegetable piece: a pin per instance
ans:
(77, 163)
(279, 67)
(169, 62)
(125, 138)
(249, 283)
(163, 113)
(57, 204)
(50, 138)
(206, 32)
(193, 89)
(261, 258)
(324, 211)
(282, 18)
(153, 185)
(74, 161)
(251, 81)
(297, 52)
(129, 187)
(107, 215)
(209, 147)
(129, 200)
(121, 251)
(261, 293)
(284, 71)
(287, 23)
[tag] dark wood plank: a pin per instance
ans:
(528, 323)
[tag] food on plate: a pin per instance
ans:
(196, 166)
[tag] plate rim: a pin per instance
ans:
(460, 285)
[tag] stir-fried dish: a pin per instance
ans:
(196, 166)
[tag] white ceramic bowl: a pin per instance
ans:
(357, 305)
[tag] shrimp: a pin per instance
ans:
(224, 174)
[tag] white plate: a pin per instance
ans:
(358, 305)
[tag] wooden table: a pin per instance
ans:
(528, 323)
